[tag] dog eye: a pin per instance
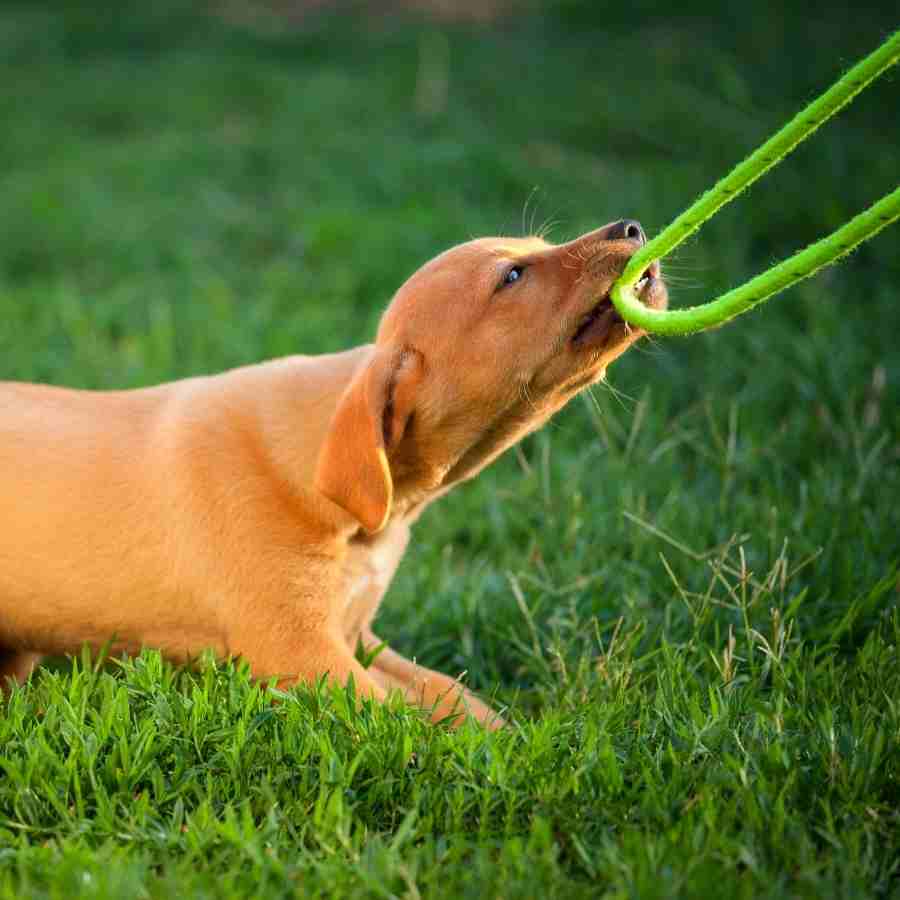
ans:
(512, 276)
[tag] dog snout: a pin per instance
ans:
(629, 229)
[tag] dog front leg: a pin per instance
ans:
(16, 666)
(314, 658)
(444, 696)
(292, 653)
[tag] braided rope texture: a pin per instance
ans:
(788, 272)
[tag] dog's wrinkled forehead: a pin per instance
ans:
(465, 273)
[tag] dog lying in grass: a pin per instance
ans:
(262, 512)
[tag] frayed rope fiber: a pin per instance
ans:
(789, 271)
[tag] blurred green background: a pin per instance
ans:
(188, 187)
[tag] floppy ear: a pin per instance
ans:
(352, 469)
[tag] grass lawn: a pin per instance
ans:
(686, 588)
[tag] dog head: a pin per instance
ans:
(479, 347)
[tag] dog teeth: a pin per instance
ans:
(640, 285)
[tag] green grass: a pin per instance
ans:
(686, 587)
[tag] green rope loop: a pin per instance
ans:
(789, 271)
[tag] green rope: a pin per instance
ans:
(791, 270)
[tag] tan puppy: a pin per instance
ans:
(262, 512)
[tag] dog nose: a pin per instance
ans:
(627, 228)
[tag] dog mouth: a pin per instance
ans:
(601, 320)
